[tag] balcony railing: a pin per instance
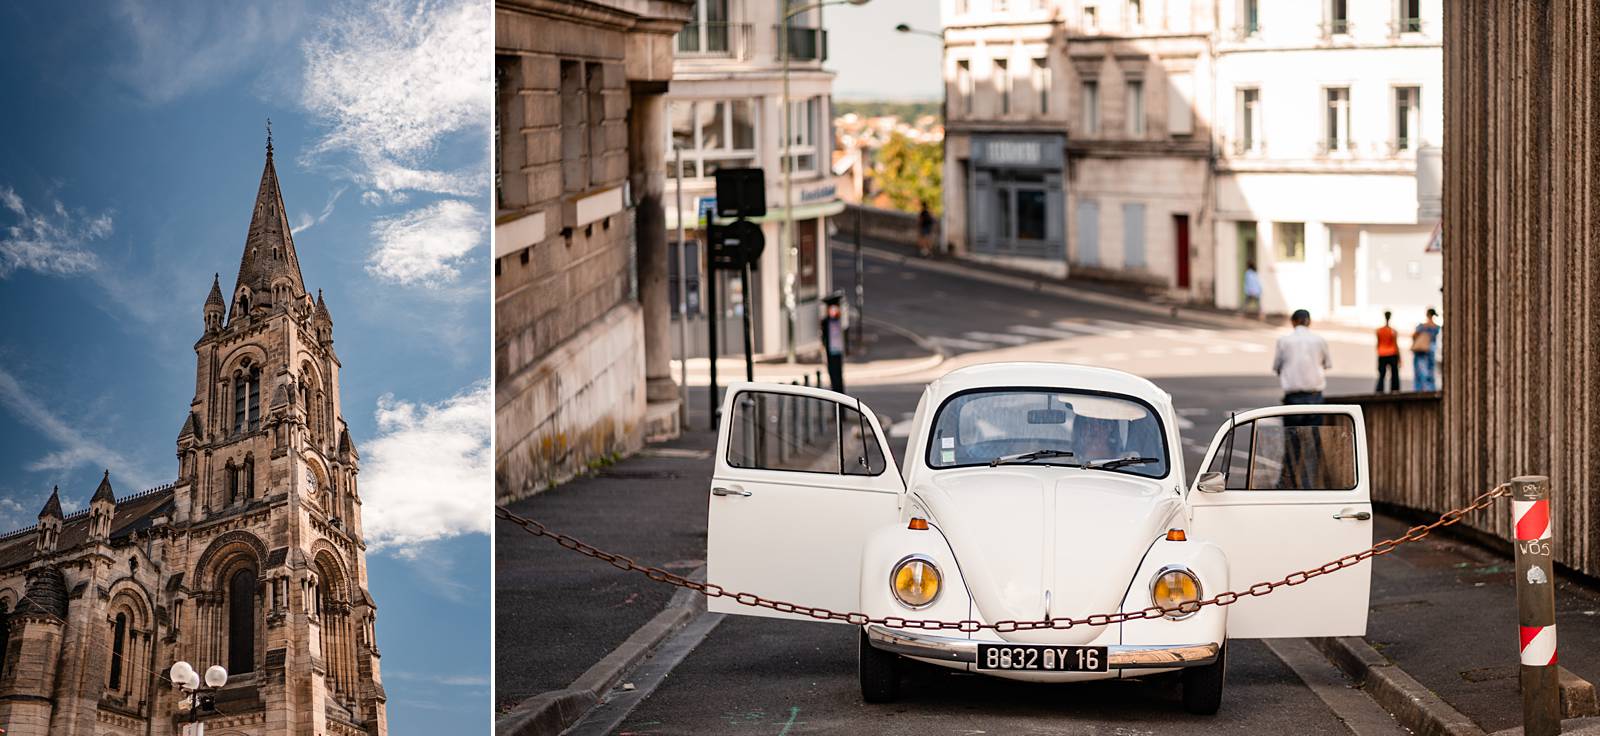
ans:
(805, 43)
(1333, 28)
(716, 39)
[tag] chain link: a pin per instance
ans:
(1414, 534)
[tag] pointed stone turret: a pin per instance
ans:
(49, 524)
(269, 257)
(102, 506)
(347, 449)
(215, 305)
(322, 321)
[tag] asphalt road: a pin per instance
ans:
(763, 676)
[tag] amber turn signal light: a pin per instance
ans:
(918, 523)
(1176, 535)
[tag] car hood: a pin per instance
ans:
(1020, 532)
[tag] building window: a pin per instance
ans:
(1135, 107)
(712, 134)
(1180, 109)
(1250, 13)
(1041, 84)
(574, 128)
(1409, 16)
(1002, 84)
(242, 622)
(1249, 120)
(1091, 106)
(247, 399)
(689, 255)
(963, 7)
(1407, 118)
(1001, 6)
(1336, 128)
(248, 487)
(803, 117)
(1289, 238)
(1135, 13)
(119, 648)
(805, 236)
(964, 85)
(1338, 17)
(1133, 243)
(707, 31)
(1091, 19)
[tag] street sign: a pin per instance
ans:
(707, 210)
(735, 245)
(741, 193)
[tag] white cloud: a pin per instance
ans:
(427, 245)
(77, 447)
(392, 79)
(180, 48)
(51, 241)
(306, 221)
(428, 475)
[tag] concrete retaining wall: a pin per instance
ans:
(879, 224)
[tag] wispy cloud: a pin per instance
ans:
(52, 240)
(180, 48)
(306, 221)
(446, 680)
(78, 448)
(427, 475)
(427, 245)
(392, 79)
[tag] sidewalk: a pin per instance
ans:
(1445, 612)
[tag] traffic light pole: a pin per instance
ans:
(749, 351)
(711, 326)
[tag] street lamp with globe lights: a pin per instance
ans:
(791, 253)
(187, 680)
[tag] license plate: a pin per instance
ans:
(1041, 658)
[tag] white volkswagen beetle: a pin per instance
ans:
(1036, 491)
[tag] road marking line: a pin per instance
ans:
(998, 337)
(1044, 332)
(958, 343)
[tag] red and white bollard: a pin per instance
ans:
(1536, 604)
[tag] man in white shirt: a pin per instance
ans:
(1300, 362)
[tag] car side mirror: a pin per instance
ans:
(1211, 482)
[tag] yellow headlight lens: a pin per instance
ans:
(915, 582)
(1174, 587)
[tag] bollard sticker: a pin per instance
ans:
(1539, 645)
(1536, 576)
(1532, 519)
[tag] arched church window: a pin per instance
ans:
(5, 633)
(249, 478)
(255, 398)
(242, 622)
(247, 398)
(119, 645)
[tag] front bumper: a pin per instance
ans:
(1118, 656)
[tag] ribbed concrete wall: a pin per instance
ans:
(1522, 259)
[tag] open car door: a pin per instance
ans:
(1293, 495)
(802, 477)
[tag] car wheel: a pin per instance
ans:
(1202, 686)
(879, 671)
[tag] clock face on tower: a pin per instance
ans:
(311, 484)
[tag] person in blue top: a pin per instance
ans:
(1425, 354)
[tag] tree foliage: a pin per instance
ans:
(910, 173)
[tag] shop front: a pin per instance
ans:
(1015, 197)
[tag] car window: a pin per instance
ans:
(975, 427)
(1295, 452)
(780, 431)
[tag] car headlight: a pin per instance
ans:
(1173, 587)
(915, 582)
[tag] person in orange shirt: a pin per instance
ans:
(1388, 355)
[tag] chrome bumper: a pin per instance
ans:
(1118, 656)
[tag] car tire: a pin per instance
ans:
(1202, 686)
(879, 671)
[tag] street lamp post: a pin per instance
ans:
(944, 106)
(791, 253)
(200, 698)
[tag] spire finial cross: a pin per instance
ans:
(269, 136)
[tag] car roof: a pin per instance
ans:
(1051, 375)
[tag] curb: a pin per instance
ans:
(548, 714)
(1412, 705)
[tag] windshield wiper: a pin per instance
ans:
(1023, 457)
(1122, 462)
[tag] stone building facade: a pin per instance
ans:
(582, 346)
(252, 558)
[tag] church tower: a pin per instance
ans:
(267, 490)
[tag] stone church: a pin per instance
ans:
(252, 558)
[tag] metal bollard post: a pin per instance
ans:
(1536, 604)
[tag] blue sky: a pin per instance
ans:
(874, 62)
(133, 146)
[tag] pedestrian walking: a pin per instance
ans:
(1252, 290)
(833, 340)
(1388, 355)
(924, 230)
(1301, 360)
(1424, 353)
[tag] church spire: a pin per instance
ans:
(269, 257)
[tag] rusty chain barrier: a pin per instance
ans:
(709, 590)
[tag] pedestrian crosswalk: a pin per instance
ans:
(1153, 340)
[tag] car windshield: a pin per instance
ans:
(1048, 427)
